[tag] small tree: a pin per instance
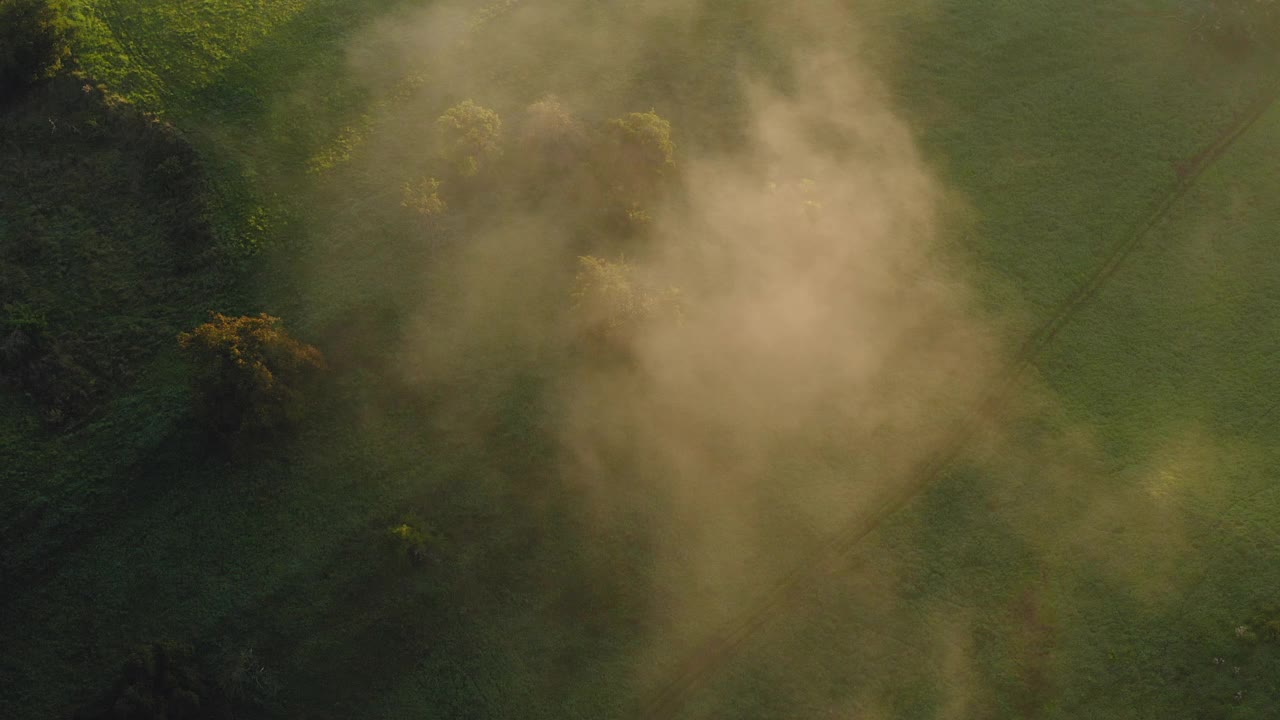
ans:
(33, 43)
(471, 137)
(639, 152)
(423, 197)
(249, 375)
(551, 136)
(611, 301)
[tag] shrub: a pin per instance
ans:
(471, 137)
(249, 375)
(33, 43)
(423, 197)
(412, 539)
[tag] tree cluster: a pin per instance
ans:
(602, 179)
(614, 170)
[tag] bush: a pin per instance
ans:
(412, 539)
(423, 197)
(249, 376)
(33, 43)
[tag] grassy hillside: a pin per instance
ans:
(1090, 559)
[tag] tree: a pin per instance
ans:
(551, 136)
(611, 301)
(471, 137)
(249, 375)
(423, 197)
(639, 153)
(33, 43)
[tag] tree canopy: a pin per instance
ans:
(248, 375)
(471, 137)
(611, 300)
(640, 151)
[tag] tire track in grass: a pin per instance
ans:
(698, 668)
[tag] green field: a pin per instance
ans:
(1088, 551)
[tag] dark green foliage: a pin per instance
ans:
(248, 376)
(33, 43)
(160, 682)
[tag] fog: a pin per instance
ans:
(831, 346)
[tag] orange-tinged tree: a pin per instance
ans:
(249, 376)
